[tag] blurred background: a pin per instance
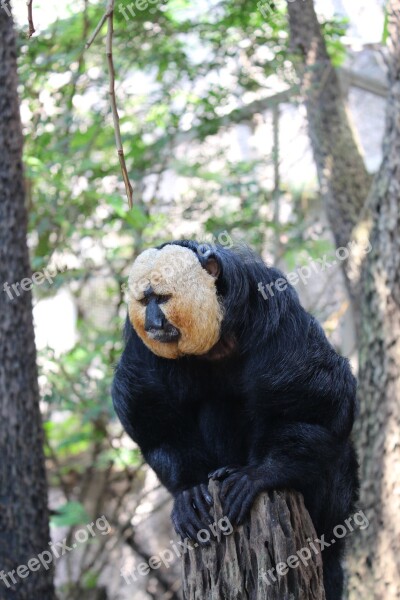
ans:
(216, 140)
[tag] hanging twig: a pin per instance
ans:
(100, 25)
(114, 109)
(32, 29)
(109, 17)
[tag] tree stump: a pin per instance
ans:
(273, 556)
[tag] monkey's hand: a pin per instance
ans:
(239, 488)
(191, 511)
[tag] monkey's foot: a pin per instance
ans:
(191, 512)
(239, 488)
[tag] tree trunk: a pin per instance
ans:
(269, 558)
(375, 557)
(344, 180)
(23, 494)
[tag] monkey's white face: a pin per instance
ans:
(173, 303)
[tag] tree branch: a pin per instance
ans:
(32, 29)
(344, 179)
(109, 17)
(237, 115)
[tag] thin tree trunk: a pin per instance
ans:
(269, 558)
(375, 557)
(344, 180)
(23, 494)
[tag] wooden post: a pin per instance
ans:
(253, 562)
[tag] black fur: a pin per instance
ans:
(280, 409)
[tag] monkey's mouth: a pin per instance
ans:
(165, 336)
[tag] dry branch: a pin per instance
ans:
(109, 17)
(32, 29)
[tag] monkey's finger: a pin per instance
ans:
(245, 510)
(217, 474)
(180, 531)
(182, 512)
(193, 519)
(191, 532)
(177, 526)
(202, 506)
(193, 527)
(206, 494)
(234, 491)
(235, 480)
(226, 486)
(223, 472)
(235, 506)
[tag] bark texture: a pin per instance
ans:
(344, 180)
(23, 494)
(236, 566)
(375, 556)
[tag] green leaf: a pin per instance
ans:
(70, 514)
(134, 217)
(385, 32)
(90, 580)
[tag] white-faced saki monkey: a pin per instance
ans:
(218, 380)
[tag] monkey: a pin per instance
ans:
(215, 381)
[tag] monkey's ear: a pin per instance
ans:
(212, 266)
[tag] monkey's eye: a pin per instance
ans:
(162, 299)
(144, 301)
(159, 299)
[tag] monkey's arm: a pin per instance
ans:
(166, 441)
(295, 453)
(176, 467)
(167, 444)
(298, 454)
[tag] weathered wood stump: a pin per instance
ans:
(273, 556)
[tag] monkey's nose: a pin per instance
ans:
(152, 325)
(155, 319)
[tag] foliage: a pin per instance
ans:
(71, 513)
(170, 62)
